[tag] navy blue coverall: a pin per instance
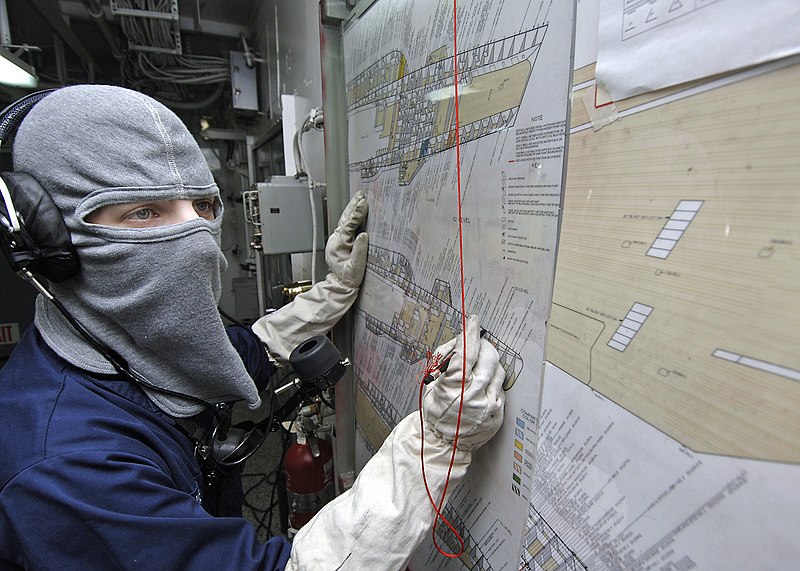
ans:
(94, 476)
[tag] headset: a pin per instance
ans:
(36, 239)
(36, 243)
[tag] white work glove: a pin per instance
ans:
(316, 311)
(379, 522)
(346, 253)
(482, 412)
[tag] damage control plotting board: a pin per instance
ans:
(514, 67)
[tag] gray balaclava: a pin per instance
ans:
(148, 293)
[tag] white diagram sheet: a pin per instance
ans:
(612, 492)
(586, 17)
(514, 69)
(646, 45)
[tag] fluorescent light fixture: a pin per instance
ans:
(14, 71)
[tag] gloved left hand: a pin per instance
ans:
(316, 311)
(482, 408)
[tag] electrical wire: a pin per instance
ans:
(314, 231)
(314, 120)
(272, 479)
(263, 515)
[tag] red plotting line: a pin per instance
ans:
(596, 106)
(438, 507)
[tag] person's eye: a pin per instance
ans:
(206, 208)
(141, 214)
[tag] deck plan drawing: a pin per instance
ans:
(514, 68)
(731, 285)
(669, 433)
(414, 111)
(393, 305)
(544, 550)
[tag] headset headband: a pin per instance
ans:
(12, 116)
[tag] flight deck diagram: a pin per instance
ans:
(693, 301)
(417, 319)
(670, 411)
(513, 63)
(414, 111)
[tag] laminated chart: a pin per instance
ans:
(669, 430)
(508, 127)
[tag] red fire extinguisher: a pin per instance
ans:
(309, 477)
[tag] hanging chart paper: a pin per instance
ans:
(514, 66)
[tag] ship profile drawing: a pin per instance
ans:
(414, 112)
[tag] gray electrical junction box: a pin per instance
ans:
(244, 84)
(285, 216)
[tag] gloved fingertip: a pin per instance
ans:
(446, 348)
(356, 214)
(361, 209)
(360, 251)
(472, 322)
(473, 331)
(494, 388)
(489, 349)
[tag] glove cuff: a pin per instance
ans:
(311, 313)
(379, 522)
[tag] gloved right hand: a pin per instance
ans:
(346, 252)
(380, 521)
(482, 412)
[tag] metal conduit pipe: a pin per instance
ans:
(338, 186)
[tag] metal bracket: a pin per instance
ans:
(333, 12)
(171, 14)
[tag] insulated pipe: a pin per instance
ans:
(337, 178)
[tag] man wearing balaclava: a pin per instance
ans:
(99, 469)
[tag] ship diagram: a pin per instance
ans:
(415, 114)
(417, 319)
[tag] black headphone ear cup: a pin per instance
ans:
(42, 244)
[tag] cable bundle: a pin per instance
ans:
(154, 63)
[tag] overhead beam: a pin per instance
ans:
(49, 11)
